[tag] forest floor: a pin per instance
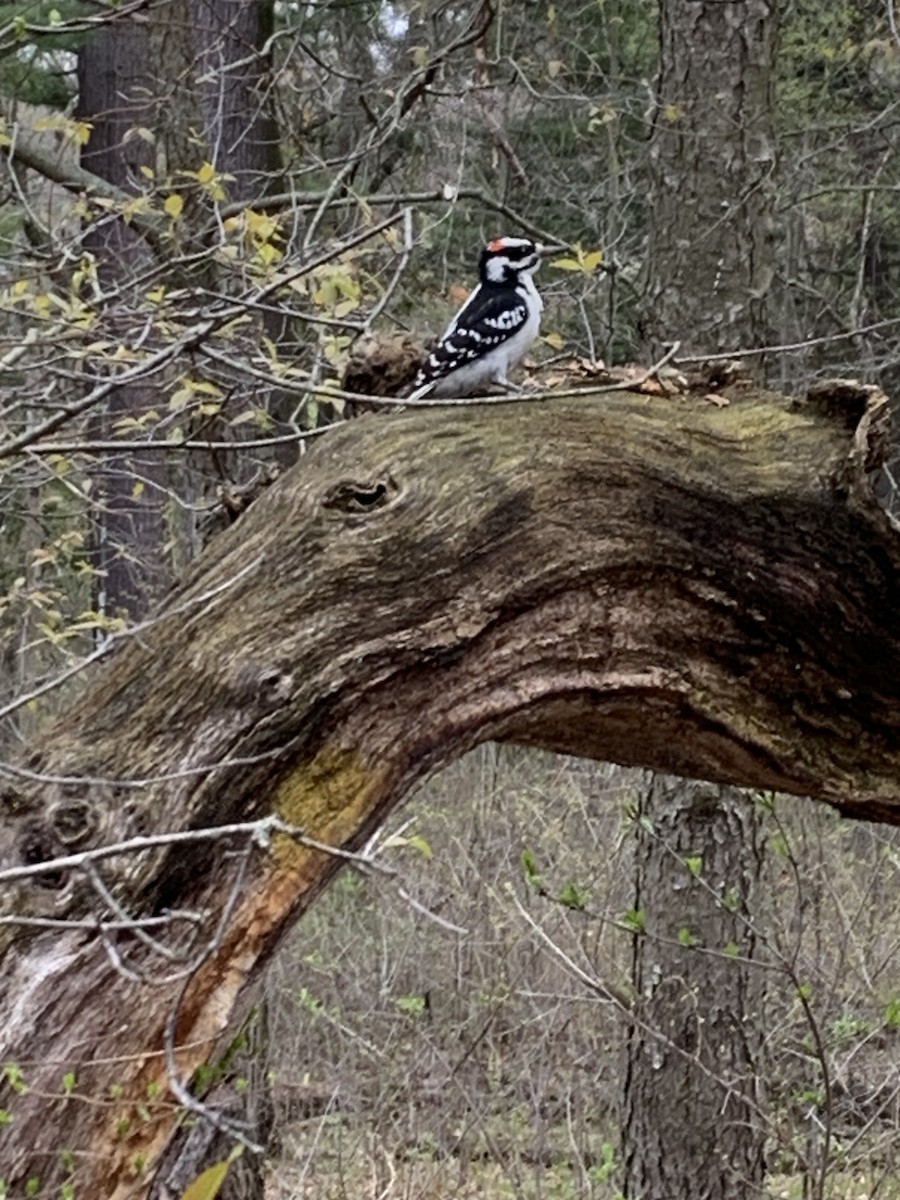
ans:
(454, 1055)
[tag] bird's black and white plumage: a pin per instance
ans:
(493, 329)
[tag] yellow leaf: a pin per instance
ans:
(593, 260)
(554, 67)
(140, 204)
(261, 225)
(204, 386)
(180, 398)
(147, 172)
(82, 132)
(567, 264)
(208, 1183)
(138, 490)
(556, 340)
(347, 286)
(173, 206)
(142, 132)
(268, 254)
(672, 112)
(326, 296)
(206, 174)
(419, 55)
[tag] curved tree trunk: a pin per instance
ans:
(649, 580)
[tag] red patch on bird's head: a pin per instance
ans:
(496, 245)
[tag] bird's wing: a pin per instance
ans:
(485, 321)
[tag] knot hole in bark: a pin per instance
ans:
(360, 496)
(12, 802)
(37, 845)
(262, 686)
(72, 821)
(843, 401)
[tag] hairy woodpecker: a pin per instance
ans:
(492, 330)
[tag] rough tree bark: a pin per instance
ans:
(698, 1027)
(232, 70)
(710, 250)
(129, 517)
(692, 1049)
(657, 581)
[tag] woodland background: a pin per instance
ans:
(206, 210)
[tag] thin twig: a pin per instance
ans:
(790, 347)
(259, 832)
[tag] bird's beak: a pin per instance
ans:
(546, 250)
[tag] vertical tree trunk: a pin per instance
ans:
(231, 70)
(710, 252)
(129, 520)
(693, 1050)
(693, 1129)
(228, 81)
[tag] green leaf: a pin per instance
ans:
(574, 897)
(530, 868)
(414, 1005)
(15, 1078)
(685, 937)
(415, 840)
(421, 844)
(635, 919)
(694, 864)
(778, 845)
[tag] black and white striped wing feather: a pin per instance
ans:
(489, 318)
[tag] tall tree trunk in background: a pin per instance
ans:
(693, 1050)
(219, 50)
(691, 1124)
(231, 68)
(130, 527)
(710, 250)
